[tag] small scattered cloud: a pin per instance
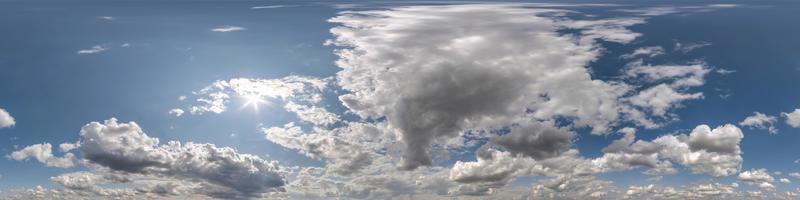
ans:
(6, 120)
(109, 18)
(176, 111)
(688, 47)
(760, 121)
(228, 29)
(93, 50)
(724, 71)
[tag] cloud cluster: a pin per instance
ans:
(123, 150)
(506, 67)
(760, 177)
(506, 83)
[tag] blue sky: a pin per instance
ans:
(380, 100)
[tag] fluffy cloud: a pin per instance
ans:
(429, 82)
(759, 177)
(121, 153)
(793, 118)
(44, 154)
(760, 121)
(714, 151)
(6, 120)
(472, 74)
(176, 111)
(704, 150)
(125, 147)
(660, 98)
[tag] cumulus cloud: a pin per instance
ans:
(760, 121)
(125, 147)
(536, 140)
(704, 150)
(471, 74)
(93, 50)
(429, 82)
(792, 118)
(759, 177)
(44, 154)
(6, 120)
(228, 29)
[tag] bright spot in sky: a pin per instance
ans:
(253, 100)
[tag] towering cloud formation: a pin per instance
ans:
(435, 72)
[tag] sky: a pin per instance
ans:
(222, 99)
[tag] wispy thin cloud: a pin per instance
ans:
(228, 29)
(107, 18)
(270, 7)
(94, 49)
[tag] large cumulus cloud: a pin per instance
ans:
(436, 71)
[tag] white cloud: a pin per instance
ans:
(109, 18)
(470, 75)
(228, 29)
(760, 121)
(427, 83)
(644, 51)
(795, 175)
(176, 111)
(793, 118)
(688, 47)
(704, 150)
(759, 177)
(125, 147)
(44, 154)
(93, 50)
(6, 120)
(661, 98)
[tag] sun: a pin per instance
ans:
(252, 100)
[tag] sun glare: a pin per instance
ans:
(253, 100)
